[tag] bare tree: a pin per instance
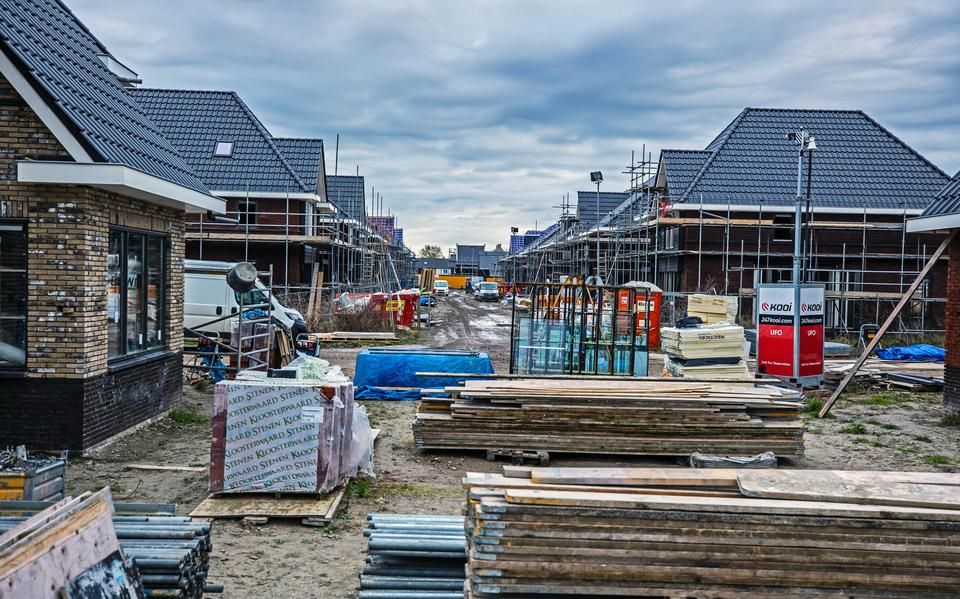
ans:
(431, 251)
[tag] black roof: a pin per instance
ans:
(195, 120)
(947, 200)
(857, 163)
(587, 205)
(305, 155)
(61, 59)
(346, 192)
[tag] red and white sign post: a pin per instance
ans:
(780, 323)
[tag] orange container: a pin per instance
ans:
(648, 310)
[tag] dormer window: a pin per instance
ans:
(223, 149)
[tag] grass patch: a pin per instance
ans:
(854, 428)
(936, 459)
(861, 440)
(187, 417)
(880, 399)
(359, 487)
(888, 426)
(118, 487)
(202, 385)
(952, 419)
(922, 438)
(812, 406)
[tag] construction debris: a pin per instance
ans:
(30, 477)
(81, 544)
(645, 417)
(712, 533)
(413, 557)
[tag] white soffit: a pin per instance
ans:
(120, 179)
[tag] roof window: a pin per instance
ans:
(223, 149)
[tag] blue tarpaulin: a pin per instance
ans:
(399, 367)
(920, 352)
(381, 394)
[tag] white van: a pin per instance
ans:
(206, 296)
(441, 288)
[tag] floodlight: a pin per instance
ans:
(596, 177)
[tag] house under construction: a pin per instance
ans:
(722, 219)
(283, 211)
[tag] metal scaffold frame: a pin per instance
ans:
(647, 237)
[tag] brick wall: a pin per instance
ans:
(951, 342)
(68, 396)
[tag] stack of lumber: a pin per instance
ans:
(694, 533)
(413, 556)
(709, 351)
(712, 308)
(876, 371)
(630, 417)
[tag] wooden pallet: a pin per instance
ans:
(312, 510)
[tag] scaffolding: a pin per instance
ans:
(299, 242)
(864, 260)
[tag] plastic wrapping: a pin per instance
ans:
(284, 435)
(766, 459)
(360, 455)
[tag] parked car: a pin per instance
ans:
(441, 288)
(488, 292)
(207, 296)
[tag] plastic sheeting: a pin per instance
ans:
(399, 367)
(920, 352)
(381, 394)
(286, 435)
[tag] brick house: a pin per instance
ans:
(944, 215)
(274, 187)
(721, 219)
(92, 202)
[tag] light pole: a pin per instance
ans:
(806, 143)
(597, 177)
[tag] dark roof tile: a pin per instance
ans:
(62, 58)
(195, 120)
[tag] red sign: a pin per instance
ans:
(775, 331)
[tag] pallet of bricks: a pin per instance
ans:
(670, 417)
(712, 533)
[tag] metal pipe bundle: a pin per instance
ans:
(171, 552)
(413, 556)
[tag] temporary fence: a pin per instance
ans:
(581, 329)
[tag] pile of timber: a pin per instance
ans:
(670, 417)
(695, 533)
(413, 556)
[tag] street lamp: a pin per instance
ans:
(597, 177)
(806, 143)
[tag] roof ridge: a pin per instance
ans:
(269, 139)
(298, 138)
(182, 89)
(706, 163)
(903, 143)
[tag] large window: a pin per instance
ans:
(136, 272)
(13, 296)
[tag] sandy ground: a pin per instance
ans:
(870, 429)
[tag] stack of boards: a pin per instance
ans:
(709, 351)
(712, 533)
(712, 309)
(671, 417)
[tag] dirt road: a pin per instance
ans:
(895, 431)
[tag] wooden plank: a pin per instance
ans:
(38, 557)
(866, 488)
(641, 477)
(886, 325)
(159, 467)
(721, 504)
(269, 505)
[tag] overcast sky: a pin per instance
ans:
(472, 117)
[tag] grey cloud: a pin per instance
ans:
(471, 117)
